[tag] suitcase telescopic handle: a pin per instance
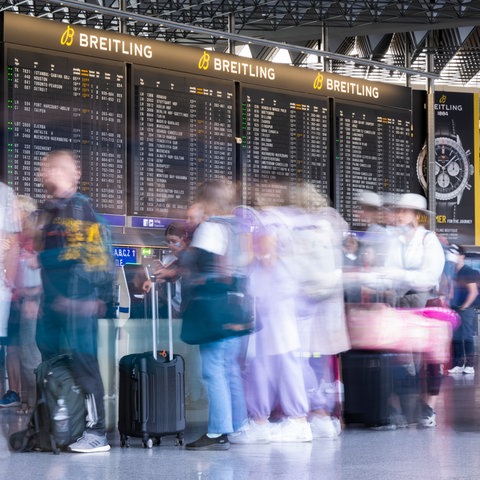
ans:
(153, 292)
(170, 316)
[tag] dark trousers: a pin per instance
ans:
(70, 326)
(432, 373)
(463, 346)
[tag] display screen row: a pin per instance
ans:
(157, 134)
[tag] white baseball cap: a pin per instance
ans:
(368, 198)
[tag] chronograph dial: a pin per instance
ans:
(452, 169)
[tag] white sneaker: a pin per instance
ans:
(337, 425)
(290, 430)
(323, 427)
(252, 432)
(335, 387)
(90, 443)
(457, 369)
(468, 370)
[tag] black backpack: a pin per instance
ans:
(54, 380)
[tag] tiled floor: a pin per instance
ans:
(449, 451)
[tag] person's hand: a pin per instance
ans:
(166, 273)
(5, 244)
(147, 285)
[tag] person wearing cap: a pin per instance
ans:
(414, 265)
(465, 292)
(370, 212)
(415, 258)
(388, 211)
(373, 244)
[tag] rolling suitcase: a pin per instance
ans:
(368, 383)
(152, 389)
(370, 377)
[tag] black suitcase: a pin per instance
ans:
(152, 390)
(368, 384)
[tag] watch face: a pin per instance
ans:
(451, 168)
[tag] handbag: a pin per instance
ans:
(216, 312)
(380, 327)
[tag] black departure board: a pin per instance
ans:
(373, 151)
(60, 102)
(152, 120)
(184, 135)
(284, 142)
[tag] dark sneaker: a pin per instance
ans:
(428, 418)
(385, 427)
(397, 418)
(207, 443)
(10, 399)
(90, 443)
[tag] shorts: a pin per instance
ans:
(4, 313)
(13, 337)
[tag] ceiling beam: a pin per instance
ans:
(129, 16)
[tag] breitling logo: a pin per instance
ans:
(204, 61)
(105, 43)
(67, 37)
(318, 83)
(345, 86)
(446, 107)
(232, 66)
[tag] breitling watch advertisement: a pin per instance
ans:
(456, 145)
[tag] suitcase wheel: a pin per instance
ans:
(124, 441)
(179, 441)
(148, 443)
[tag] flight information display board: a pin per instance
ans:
(152, 120)
(284, 142)
(373, 148)
(59, 102)
(183, 136)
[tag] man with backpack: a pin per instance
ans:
(75, 265)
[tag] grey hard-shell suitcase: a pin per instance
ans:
(152, 389)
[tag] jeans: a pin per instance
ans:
(221, 371)
(463, 346)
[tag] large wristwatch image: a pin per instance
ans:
(452, 168)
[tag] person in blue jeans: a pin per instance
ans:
(206, 260)
(465, 292)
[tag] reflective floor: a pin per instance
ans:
(449, 451)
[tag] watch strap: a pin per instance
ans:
(445, 128)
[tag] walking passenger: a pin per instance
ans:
(9, 249)
(277, 401)
(71, 254)
(414, 264)
(206, 263)
(22, 351)
(465, 293)
(321, 311)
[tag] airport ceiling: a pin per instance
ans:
(441, 37)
